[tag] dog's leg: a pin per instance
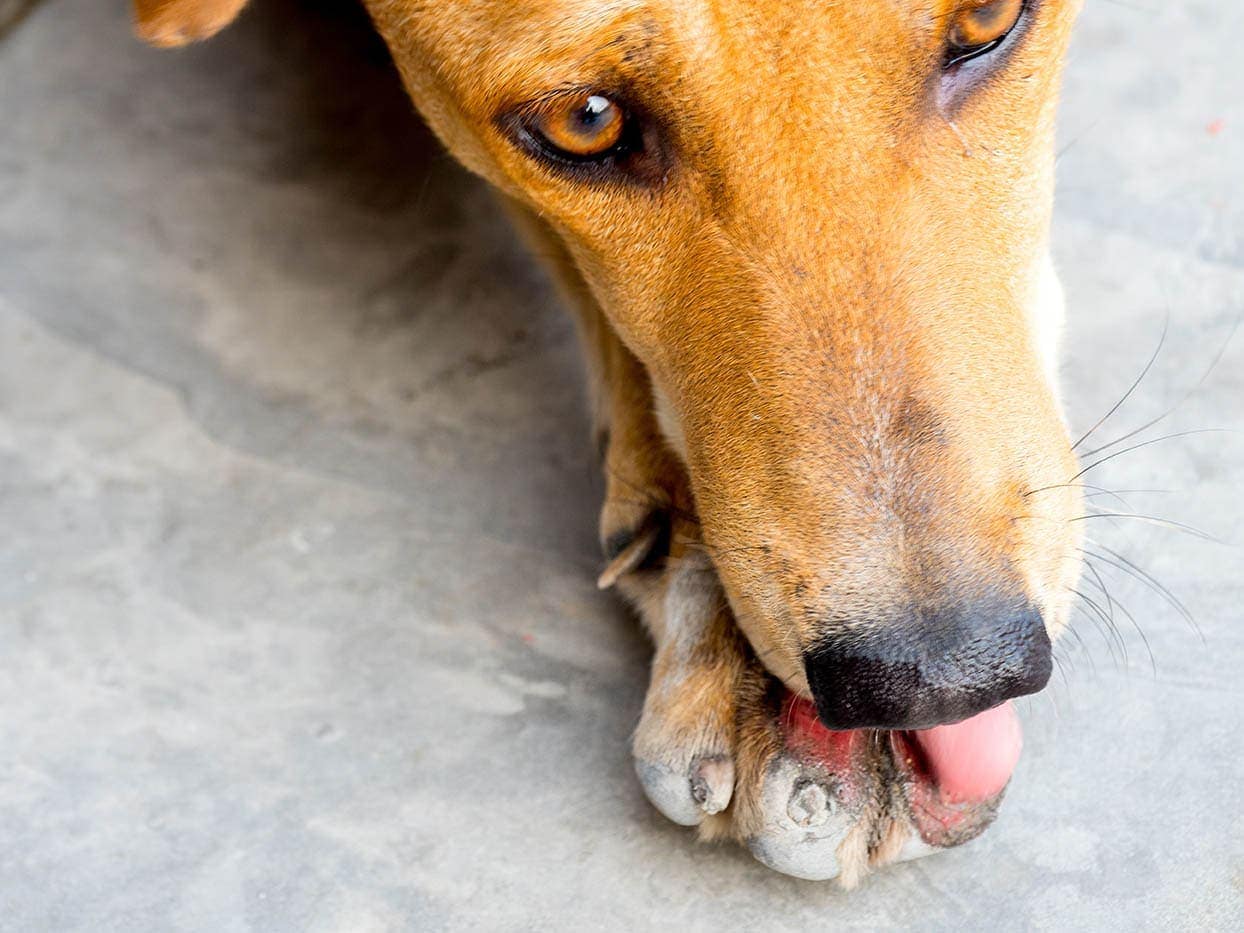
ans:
(717, 728)
(719, 743)
(644, 485)
(684, 743)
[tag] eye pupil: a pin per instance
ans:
(595, 106)
(595, 114)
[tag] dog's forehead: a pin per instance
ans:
(743, 91)
(484, 50)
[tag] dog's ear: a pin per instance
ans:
(170, 23)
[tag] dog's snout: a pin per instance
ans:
(927, 668)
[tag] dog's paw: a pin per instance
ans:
(807, 799)
(717, 745)
(723, 746)
(684, 744)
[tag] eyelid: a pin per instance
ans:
(958, 56)
(958, 82)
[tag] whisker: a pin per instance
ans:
(1122, 563)
(1191, 392)
(1153, 520)
(646, 498)
(1071, 630)
(1062, 674)
(1110, 625)
(1101, 631)
(712, 551)
(1155, 440)
(1101, 584)
(1048, 695)
(1130, 492)
(1102, 587)
(654, 503)
(645, 493)
(1098, 490)
(1132, 388)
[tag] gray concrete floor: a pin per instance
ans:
(297, 620)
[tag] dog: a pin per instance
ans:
(807, 245)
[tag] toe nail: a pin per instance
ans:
(712, 783)
(629, 550)
(810, 804)
(699, 789)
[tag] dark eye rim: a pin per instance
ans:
(625, 158)
(958, 55)
(641, 159)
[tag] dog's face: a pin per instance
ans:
(822, 227)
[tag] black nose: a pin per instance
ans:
(927, 668)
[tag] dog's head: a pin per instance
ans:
(822, 227)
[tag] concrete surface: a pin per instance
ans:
(297, 620)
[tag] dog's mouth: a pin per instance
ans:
(945, 783)
(954, 776)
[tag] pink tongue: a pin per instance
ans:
(972, 760)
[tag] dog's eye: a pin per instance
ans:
(979, 26)
(581, 128)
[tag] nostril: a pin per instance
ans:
(928, 668)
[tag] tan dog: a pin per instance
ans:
(807, 243)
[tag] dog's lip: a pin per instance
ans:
(941, 819)
(945, 802)
(953, 776)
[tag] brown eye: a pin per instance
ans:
(979, 26)
(582, 127)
